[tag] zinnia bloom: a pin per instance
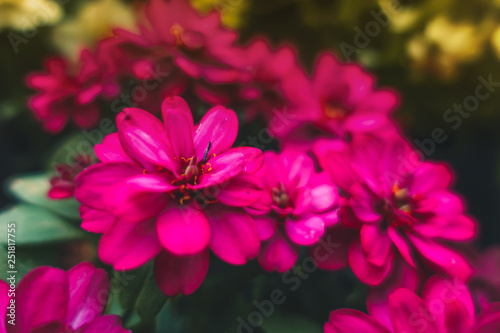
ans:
(337, 100)
(301, 204)
(446, 306)
(51, 300)
(66, 91)
(403, 208)
(170, 191)
(177, 40)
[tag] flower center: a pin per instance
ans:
(334, 109)
(192, 169)
(401, 198)
(280, 197)
(176, 30)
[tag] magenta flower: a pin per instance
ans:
(50, 300)
(296, 206)
(170, 191)
(403, 208)
(63, 184)
(178, 49)
(446, 306)
(338, 99)
(66, 91)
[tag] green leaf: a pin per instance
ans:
(33, 188)
(170, 319)
(35, 225)
(150, 300)
(127, 285)
(277, 323)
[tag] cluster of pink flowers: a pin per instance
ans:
(172, 191)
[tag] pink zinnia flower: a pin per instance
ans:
(63, 184)
(300, 203)
(175, 39)
(71, 91)
(446, 306)
(403, 208)
(338, 99)
(51, 300)
(170, 191)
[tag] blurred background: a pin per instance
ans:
(434, 53)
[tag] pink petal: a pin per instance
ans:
(456, 228)
(447, 260)
(223, 167)
(235, 238)
(179, 127)
(331, 250)
(241, 190)
(350, 321)
(61, 192)
(88, 294)
(95, 220)
(128, 246)
(138, 198)
(376, 244)
(446, 299)
(220, 127)
(183, 230)
(176, 104)
(94, 182)
(430, 177)
(402, 245)
(278, 254)
(143, 138)
(253, 157)
(363, 203)
(107, 323)
(110, 150)
(266, 227)
(324, 196)
(408, 313)
(367, 272)
(51, 327)
(4, 302)
(377, 303)
(441, 203)
(307, 230)
(43, 285)
(184, 274)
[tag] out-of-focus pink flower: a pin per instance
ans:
(403, 208)
(63, 184)
(69, 91)
(338, 99)
(446, 306)
(297, 205)
(170, 191)
(51, 300)
(486, 279)
(178, 48)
